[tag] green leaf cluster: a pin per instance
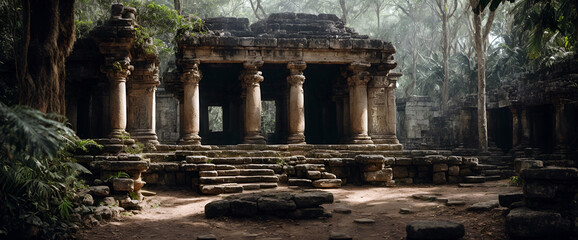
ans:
(38, 177)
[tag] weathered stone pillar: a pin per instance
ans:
(296, 103)
(358, 102)
(115, 41)
(251, 77)
(515, 126)
(525, 127)
(117, 72)
(190, 77)
(391, 109)
(560, 129)
(142, 104)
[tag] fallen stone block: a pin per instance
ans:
(312, 199)
(446, 230)
(484, 206)
(524, 223)
(217, 208)
(327, 183)
(507, 199)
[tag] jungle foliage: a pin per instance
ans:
(38, 176)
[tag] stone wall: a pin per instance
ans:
(168, 126)
(415, 114)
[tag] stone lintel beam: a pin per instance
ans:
(357, 82)
(190, 122)
(296, 103)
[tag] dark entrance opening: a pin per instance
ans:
(320, 110)
(542, 125)
(220, 104)
(502, 128)
(274, 108)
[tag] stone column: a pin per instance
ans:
(391, 119)
(190, 77)
(525, 127)
(296, 103)
(142, 104)
(357, 82)
(560, 128)
(251, 77)
(515, 126)
(117, 72)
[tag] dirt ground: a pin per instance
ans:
(179, 214)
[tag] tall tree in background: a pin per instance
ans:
(481, 40)
(445, 12)
(178, 6)
(48, 28)
(379, 6)
(410, 9)
(258, 9)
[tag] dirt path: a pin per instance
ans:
(179, 214)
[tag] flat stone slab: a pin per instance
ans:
(484, 206)
(405, 211)
(474, 179)
(339, 236)
(507, 199)
(327, 183)
(300, 205)
(550, 173)
(434, 230)
(342, 210)
(426, 196)
(364, 221)
(207, 237)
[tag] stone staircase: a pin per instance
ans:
(232, 169)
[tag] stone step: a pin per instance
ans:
(474, 179)
(493, 178)
(299, 182)
(493, 172)
(277, 168)
(238, 179)
(246, 172)
(249, 160)
(160, 157)
(218, 153)
(257, 186)
(221, 188)
(486, 167)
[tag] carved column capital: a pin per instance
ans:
(251, 76)
(190, 71)
(359, 74)
(296, 76)
(117, 70)
(392, 79)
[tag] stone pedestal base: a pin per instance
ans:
(384, 139)
(361, 139)
(191, 139)
(297, 138)
(254, 139)
(145, 137)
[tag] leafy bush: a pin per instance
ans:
(38, 177)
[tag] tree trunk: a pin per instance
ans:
(480, 53)
(445, 55)
(343, 11)
(49, 38)
(178, 6)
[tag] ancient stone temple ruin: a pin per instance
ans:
(328, 91)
